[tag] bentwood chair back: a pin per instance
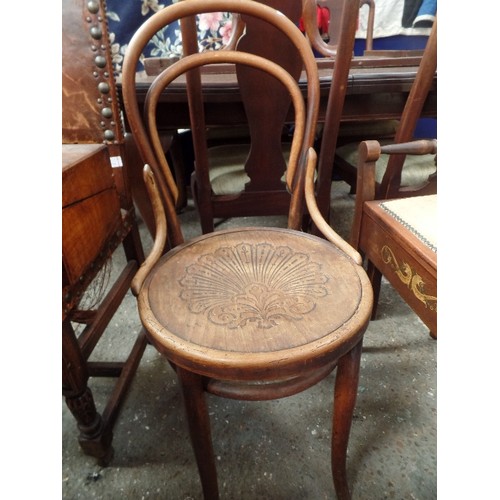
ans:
(250, 313)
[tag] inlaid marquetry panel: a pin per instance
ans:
(410, 277)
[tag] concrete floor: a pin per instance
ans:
(277, 449)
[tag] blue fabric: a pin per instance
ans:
(126, 16)
(426, 14)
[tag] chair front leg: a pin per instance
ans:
(199, 430)
(346, 388)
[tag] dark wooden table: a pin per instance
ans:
(377, 89)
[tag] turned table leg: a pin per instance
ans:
(93, 440)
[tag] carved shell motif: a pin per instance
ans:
(259, 284)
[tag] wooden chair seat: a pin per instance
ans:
(255, 305)
(418, 215)
(398, 236)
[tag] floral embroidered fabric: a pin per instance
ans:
(126, 16)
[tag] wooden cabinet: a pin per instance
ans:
(91, 207)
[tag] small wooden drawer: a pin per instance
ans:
(90, 207)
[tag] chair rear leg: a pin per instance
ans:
(375, 277)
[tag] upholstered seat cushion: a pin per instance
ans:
(227, 174)
(416, 169)
(418, 214)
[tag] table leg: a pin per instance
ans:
(94, 439)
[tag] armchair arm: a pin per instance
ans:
(316, 216)
(160, 233)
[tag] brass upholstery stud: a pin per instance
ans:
(109, 135)
(96, 32)
(100, 61)
(93, 6)
(103, 87)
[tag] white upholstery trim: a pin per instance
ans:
(418, 214)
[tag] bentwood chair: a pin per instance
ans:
(328, 47)
(251, 313)
(398, 235)
(396, 170)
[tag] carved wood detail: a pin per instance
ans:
(268, 284)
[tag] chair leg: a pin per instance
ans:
(375, 277)
(199, 430)
(204, 210)
(95, 440)
(346, 388)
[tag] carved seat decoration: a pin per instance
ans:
(267, 283)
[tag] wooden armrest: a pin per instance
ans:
(420, 147)
(316, 216)
(160, 233)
